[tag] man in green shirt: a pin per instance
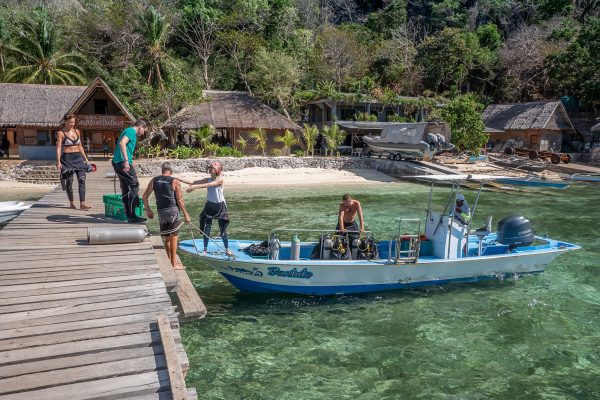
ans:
(123, 165)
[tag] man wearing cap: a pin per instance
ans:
(169, 202)
(462, 212)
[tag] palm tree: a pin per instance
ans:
(261, 138)
(334, 137)
(288, 139)
(310, 135)
(39, 59)
(242, 143)
(204, 135)
(155, 30)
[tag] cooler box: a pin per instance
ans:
(114, 208)
(426, 248)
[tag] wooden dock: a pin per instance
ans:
(88, 322)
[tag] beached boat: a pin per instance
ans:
(10, 209)
(535, 181)
(595, 178)
(452, 252)
(409, 140)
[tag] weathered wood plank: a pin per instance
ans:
(76, 282)
(191, 303)
(104, 389)
(166, 269)
(59, 363)
(42, 380)
(178, 389)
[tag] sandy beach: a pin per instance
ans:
(287, 177)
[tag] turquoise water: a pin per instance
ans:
(531, 337)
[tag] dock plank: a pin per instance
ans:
(79, 321)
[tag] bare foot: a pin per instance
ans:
(84, 206)
(72, 206)
(178, 264)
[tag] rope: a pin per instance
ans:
(191, 224)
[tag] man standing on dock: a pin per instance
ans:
(123, 165)
(169, 201)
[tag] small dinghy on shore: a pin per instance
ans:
(594, 178)
(10, 209)
(446, 251)
(535, 181)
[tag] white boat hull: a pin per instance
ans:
(325, 277)
(10, 209)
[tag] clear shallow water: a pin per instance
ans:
(532, 337)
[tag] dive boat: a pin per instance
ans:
(447, 251)
(10, 209)
(409, 140)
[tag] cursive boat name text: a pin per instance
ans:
(294, 273)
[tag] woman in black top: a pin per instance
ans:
(71, 160)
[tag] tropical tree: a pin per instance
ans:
(39, 59)
(204, 135)
(261, 139)
(155, 31)
(242, 143)
(310, 134)
(4, 41)
(334, 136)
(288, 139)
(274, 77)
(464, 115)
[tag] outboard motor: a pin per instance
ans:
(515, 231)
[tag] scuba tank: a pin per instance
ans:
(129, 234)
(354, 248)
(295, 248)
(326, 247)
(274, 246)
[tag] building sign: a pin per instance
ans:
(101, 121)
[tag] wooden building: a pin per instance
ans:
(542, 125)
(30, 115)
(234, 115)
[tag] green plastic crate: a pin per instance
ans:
(114, 207)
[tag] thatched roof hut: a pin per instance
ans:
(30, 114)
(36, 105)
(234, 115)
(542, 125)
(228, 109)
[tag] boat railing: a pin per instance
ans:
(407, 243)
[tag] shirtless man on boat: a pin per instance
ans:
(348, 210)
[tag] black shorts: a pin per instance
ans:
(169, 221)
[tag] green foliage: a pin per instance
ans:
(334, 136)
(225, 151)
(242, 143)
(212, 149)
(398, 118)
(274, 77)
(364, 116)
(288, 139)
(154, 30)
(575, 69)
(463, 114)
(149, 151)
(276, 152)
(310, 134)
(390, 18)
(184, 152)
(298, 153)
(260, 136)
(204, 135)
(38, 55)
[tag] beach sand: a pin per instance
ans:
(290, 177)
(14, 190)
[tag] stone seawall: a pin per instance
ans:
(152, 167)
